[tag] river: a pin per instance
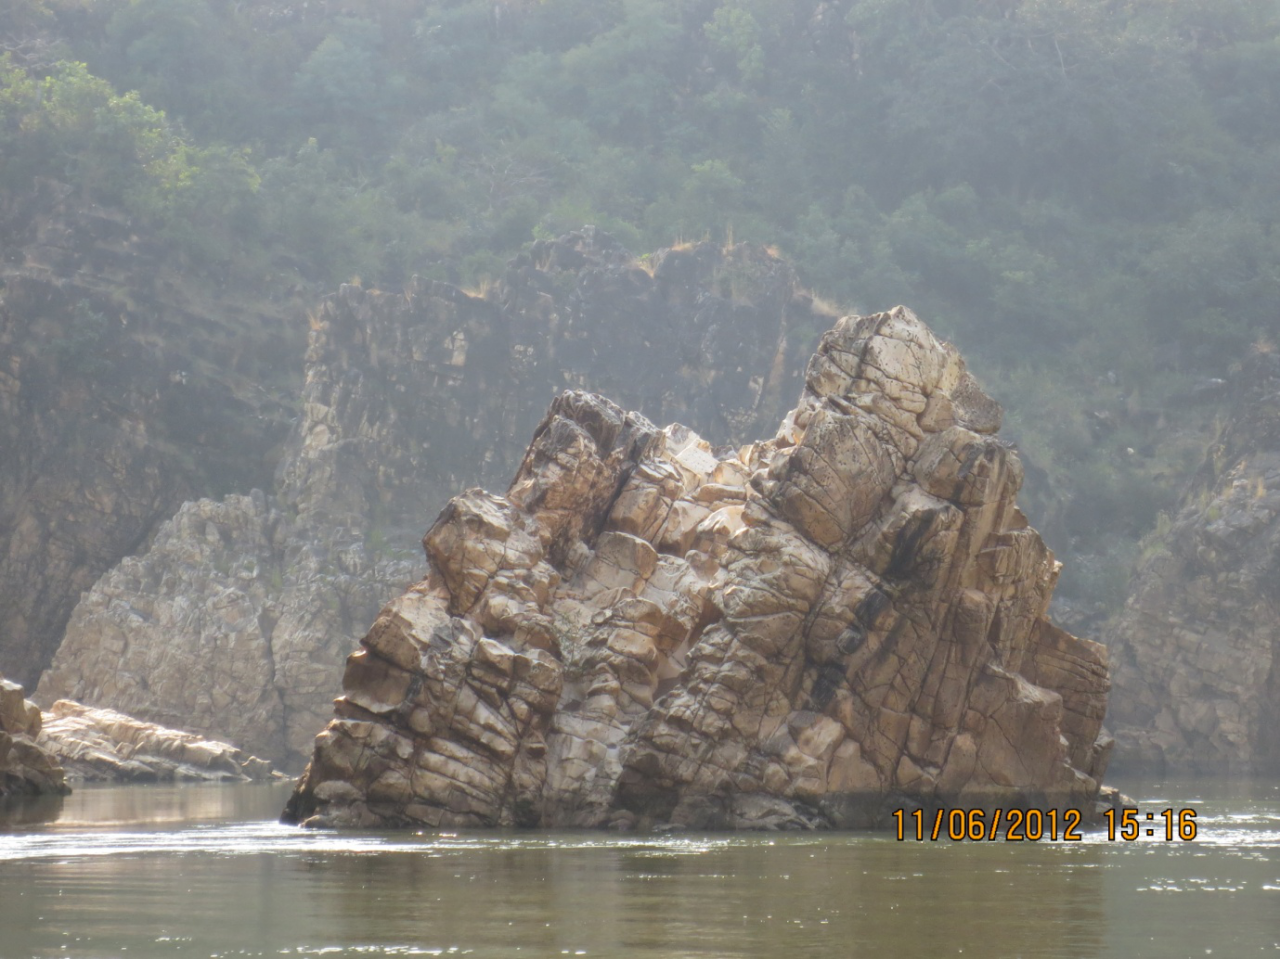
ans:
(206, 871)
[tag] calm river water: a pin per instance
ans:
(206, 871)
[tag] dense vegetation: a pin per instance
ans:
(1082, 193)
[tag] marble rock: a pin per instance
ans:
(807, 631)
(235, 619)
(26, 768)
(102, 745)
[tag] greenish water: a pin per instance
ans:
(206, 871)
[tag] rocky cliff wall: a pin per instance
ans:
(229, 625)
(1196, 651)
(803, 631)
(121, 395)
(236, 621)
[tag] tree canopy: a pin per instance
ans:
(1082, 193)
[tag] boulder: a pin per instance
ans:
(807, 631)
(26, 768)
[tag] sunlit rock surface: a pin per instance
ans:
(1195, 651)
(232, 625)
(26, 768)
(236, 621)
(801, 632)
(101, 745)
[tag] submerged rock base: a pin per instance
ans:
(805, 632)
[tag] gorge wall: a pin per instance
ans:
(647, 629)
(1196, 651)
(235, 621)
(122, 393)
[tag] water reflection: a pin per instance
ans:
(164, 806)
(18, 811)
(206, 871)
(846, 895)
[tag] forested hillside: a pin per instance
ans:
(1081, 193)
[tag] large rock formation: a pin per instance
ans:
(236, 621)
(26, 768)
(804, 631)
(1196, 651)
(101, 745)
(122, 393)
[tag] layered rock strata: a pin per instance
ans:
(1196, 650)
(26, 768)
(101, 745)
(800, 632)
(237, 619)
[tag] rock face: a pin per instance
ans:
(26, 769)
(101, 745)
(229, 625)
(1196, 651)
(121, 395)
(805, 631)
(236, 621)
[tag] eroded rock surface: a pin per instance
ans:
(1196, 651)
(26, 769)
(236, 621)
(101, 745)
(804, 631)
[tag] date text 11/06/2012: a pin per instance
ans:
(1018, 825)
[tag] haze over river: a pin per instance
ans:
(206, 871)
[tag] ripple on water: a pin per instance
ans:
(203, 877)
(274, 838)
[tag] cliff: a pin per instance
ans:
(122, 393)
(804, 631)
(236, 620)
(1195, 650)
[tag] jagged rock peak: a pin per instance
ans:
(1196, 648)
(804, 631)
